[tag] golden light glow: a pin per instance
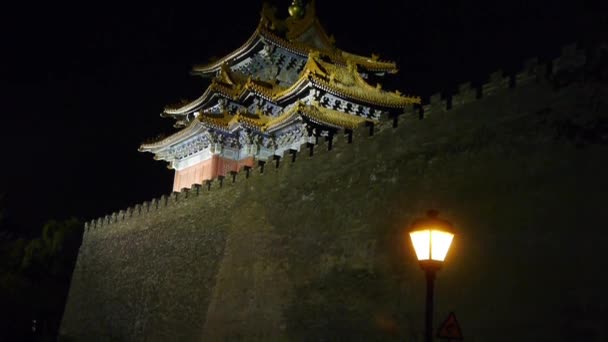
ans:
(431, 244)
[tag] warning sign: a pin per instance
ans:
(450, 329)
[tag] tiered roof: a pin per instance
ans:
(287, 78)
(339, 80)
(298, 36)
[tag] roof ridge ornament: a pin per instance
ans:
(296, 9)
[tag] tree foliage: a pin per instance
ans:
(34, 280)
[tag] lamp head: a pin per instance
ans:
(431, 238)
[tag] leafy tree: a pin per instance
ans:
(34, 280)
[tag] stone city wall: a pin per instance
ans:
(311, 246)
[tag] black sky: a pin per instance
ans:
(83, 85)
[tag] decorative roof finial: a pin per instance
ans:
(296, 9)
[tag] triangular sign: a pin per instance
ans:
(450, 329)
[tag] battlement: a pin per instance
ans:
(272, 252)
(570, 66)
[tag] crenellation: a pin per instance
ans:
(196, 188)
(154, 204)
(529, 73)
(532, 71)
(436, 105)
(571, 60)
(162, 202)
(208, 184)
(320, 148)
(185, 191)
(466, 94)
(175, 197)
(283, 223)
(496, 83)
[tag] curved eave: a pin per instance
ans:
(213, 89)
(371, 64)
(252, 88)
(262, 34)
(245, 49)
(322, 116)
(233, 123)
(300, 85)
(310, 80)
(395, 103)
(338, 56)
(334, 118)
(236, 94)
(194, 128)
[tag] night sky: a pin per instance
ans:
(82, 86)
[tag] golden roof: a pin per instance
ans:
(259, 122)
(264, 123)
(293, 29)
(329, 117)
(346, 82)
(225, 121)
(230, 85)
(339, 80)
(193, 128)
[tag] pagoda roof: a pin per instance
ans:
(229, 85)
(192, 129)
(342, 81)
(259, 122)
(263, 123)
(291, 34)
(295, 28)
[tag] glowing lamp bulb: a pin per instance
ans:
(431, 238)
(431, 244)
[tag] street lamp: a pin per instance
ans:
(431, 238)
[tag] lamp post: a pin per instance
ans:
(431, 238)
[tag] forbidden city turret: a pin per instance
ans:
(286, 86)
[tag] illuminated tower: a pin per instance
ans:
(286, 86)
